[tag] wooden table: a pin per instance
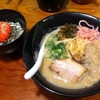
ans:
(13, 86)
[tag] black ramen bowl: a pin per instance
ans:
(32, 43)
(8, 15)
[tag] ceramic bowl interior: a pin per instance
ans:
(10, 15)
(32, 43)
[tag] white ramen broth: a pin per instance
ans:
(90, 62)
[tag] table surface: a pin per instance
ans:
(13, 86)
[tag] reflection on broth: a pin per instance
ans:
(71, 58)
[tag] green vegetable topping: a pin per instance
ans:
(67, 31)
(56, 50)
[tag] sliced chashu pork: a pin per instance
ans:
(68, 69)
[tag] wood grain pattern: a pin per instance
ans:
(13, 86)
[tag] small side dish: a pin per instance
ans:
(72, 56)
(12, 30)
